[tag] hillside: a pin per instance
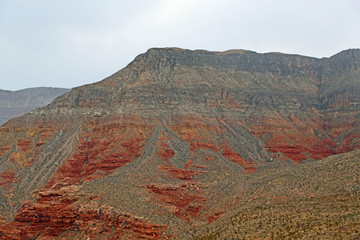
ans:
(313, 200)
(16, 103)
(158, 149)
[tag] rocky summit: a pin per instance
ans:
(182, 144)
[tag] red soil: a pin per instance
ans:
(186, 205)
(98, 155)
(24, 144)
(6, 178)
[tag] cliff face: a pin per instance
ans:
(165, 138)
(16, 103)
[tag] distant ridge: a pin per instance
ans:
(15, 103)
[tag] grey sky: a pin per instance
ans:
(68, 43)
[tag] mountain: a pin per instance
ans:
(177, 141)
(16, 103)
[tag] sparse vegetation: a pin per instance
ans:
(331, 217)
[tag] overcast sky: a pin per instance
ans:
(68, 43)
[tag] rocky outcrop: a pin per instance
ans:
(168, 137)
(59, 213)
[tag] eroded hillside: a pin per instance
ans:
(158, 148)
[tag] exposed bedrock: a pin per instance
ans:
(158, 147)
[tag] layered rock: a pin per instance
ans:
(167, 138)
(16, 103)
(64, 213)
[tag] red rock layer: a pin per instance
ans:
(236, 158)
(185, 199)
(200, 135)
(215, 216)
(182, 199)
(4, 150)
(182, 174)
(101, 149)
(6, 178)
(294, 137)
(163, 149)
(24, 144)
(300, 147)
(346, 129)
(57, 212)
(26, 148)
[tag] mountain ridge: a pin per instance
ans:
(16, 103)
(167, 50)
(172, 130)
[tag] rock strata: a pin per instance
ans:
(166, 139)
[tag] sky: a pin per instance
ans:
(69, 43)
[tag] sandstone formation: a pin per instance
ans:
(175, 141)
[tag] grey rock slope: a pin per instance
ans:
(15, 103)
